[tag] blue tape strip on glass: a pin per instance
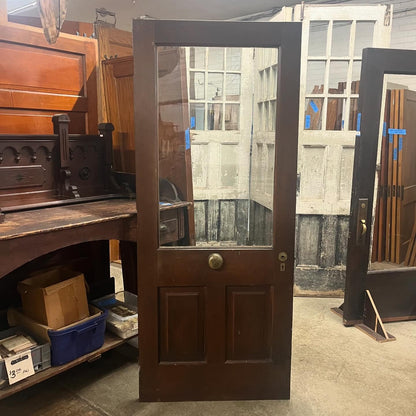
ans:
(359, 122)
(384, 129)
(193, 124)
(398, 131)
(187, 139)
(307, 122)
(395, 154)
(314, 106)
(400, 143)
(390, 138)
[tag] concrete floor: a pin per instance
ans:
(335, 371)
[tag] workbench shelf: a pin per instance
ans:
(110, 341)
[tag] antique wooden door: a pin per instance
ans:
(381, 247)
(215, 317)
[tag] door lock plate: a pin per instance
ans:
(361, 220)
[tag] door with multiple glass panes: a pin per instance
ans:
(332, 41)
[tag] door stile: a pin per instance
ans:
(146, 184)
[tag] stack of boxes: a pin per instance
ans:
(56, 325)
(55, 312)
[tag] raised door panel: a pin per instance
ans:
(249, 319)
(182, 324)
(38, 80)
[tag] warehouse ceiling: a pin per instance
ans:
(82, 10)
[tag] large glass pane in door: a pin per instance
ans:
(217, 115)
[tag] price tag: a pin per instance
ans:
(19, 366)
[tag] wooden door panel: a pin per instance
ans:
(48, 71)
(22, 121)
(182, 324)
(46, 101)
(237, 271)
(212, 333)
(249, 323)
(38, 80)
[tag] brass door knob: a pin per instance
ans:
(215, 261)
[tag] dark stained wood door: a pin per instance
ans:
(210, 333)
(390, 275)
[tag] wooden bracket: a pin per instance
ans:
(61, 128)
(372, 324)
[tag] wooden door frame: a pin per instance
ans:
(383, 285)
(147, 35)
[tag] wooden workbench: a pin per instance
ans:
(27, 235)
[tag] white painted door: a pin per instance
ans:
(332, 41)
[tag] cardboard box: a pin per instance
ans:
(54, 297)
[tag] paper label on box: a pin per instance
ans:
(19, 366)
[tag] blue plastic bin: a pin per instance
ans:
(69, 344)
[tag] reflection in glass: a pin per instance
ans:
(356, 73)
(233, 59)
(273, 82)
(197, 58)
(337, 77)
(216, 58)
(364, 32)
(232, 87)
(232, 116)
(394, 213)
(216, 143)
(214, 116)
(353, 114)
(272, 118)
(197, 85)
(215, 86)
(341, 38)
(317, 38)
(313, 113)
(197, 114)
(335, 114)
(229, 166)
(315, 77)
